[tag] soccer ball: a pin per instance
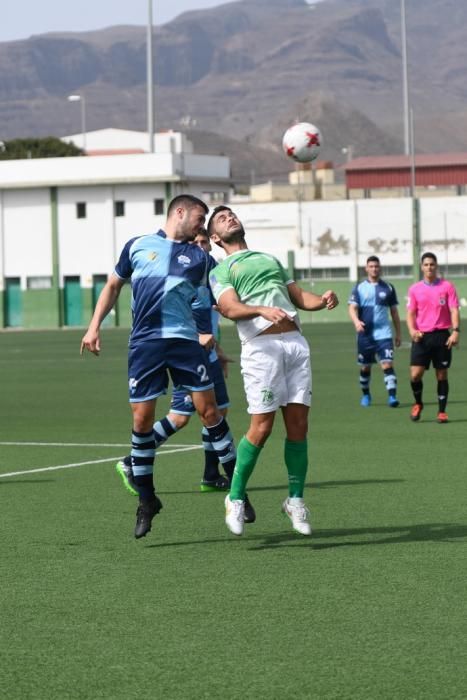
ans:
(302, 142)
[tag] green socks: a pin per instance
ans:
(247, 455)
(296, 460)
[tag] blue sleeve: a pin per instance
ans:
(201, 308)
(205, 257)
(354, 297)
(212, 263)
(392, 297)
(123, 268)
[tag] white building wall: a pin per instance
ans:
(92, 245)
(321, 234)
(26, 240)
(85, 245)
(95, 170)
(139, 216)
(120, 139)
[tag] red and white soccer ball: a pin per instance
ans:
(302, 142)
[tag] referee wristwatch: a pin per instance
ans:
(457, 330)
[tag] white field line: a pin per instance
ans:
(184, 448)
(78, 444)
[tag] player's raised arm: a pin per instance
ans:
(105, 302)
(231, 307)
(308, 301)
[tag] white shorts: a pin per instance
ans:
(276, 371)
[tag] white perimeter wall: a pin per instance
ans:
(345, 233)
(321, 234)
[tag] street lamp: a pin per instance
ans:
(81, 99)
(348, 152)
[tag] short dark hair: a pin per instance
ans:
(429, 255)
(188, 201)
(373, 258)
(220, 207)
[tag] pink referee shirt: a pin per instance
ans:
(432, 304)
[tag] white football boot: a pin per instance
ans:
(234, 515)
(298, 513)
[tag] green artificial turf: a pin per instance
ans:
(373, 605)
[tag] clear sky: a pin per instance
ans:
(20, 19)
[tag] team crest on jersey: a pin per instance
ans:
(268, 396)
(152, 255)
(382, 295)
(183, 260)
(442, 301)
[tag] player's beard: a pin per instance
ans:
(183, 234)
(234, 235)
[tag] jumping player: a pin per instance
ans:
(254, 290)
(165, 273)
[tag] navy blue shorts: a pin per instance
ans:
(369, 350)
(181, 399)
(151, 362)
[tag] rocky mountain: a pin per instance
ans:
(245, 70)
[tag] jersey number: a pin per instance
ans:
(202, 371)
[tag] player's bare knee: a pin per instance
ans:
(298, 433)
(210, 415)
(259, 434)
(143, 417)
(179, 420)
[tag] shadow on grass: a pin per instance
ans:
(314, 485)
(402, 534)
(330, 484)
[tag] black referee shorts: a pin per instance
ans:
(432, 348)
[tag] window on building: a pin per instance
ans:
(214, 197)
(390, 271)
(452, 270)
(330, 273)
(39, 283)
(119, 208)
(158, 207)
(80, 210)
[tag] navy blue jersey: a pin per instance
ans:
(373, 301)
(165, 276)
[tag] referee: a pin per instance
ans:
(433, 323)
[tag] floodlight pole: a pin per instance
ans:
(416, 243)
(150, 83)
(405, 80)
